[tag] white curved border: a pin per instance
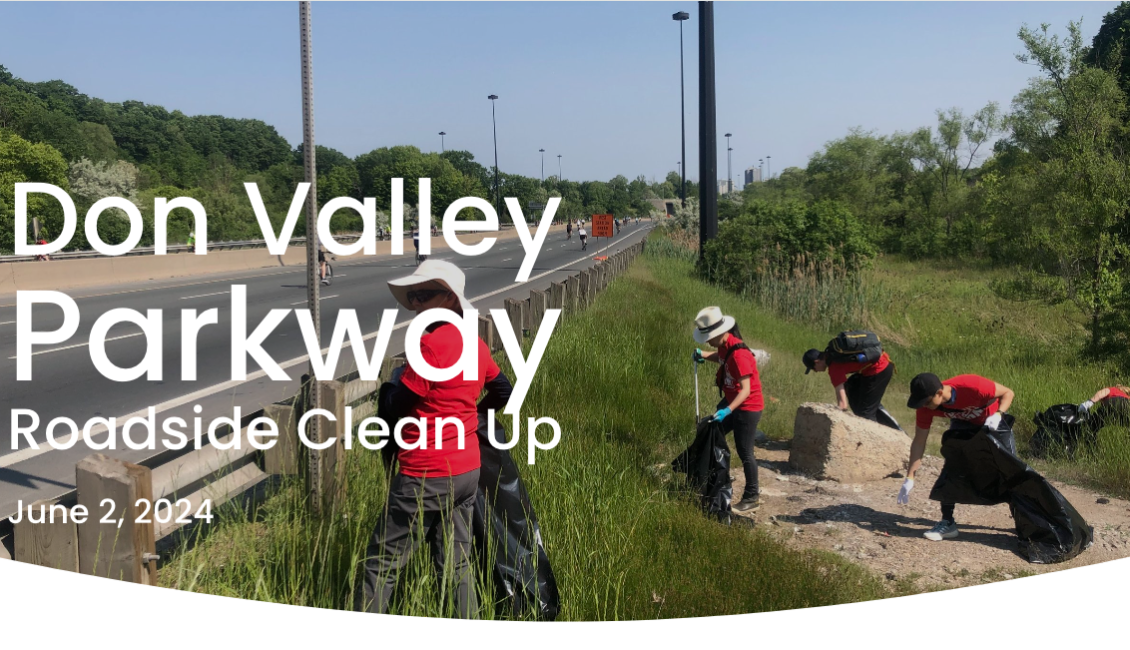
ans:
(43, 607)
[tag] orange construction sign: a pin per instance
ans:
(602, 225)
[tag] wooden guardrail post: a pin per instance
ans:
(52, 543)
(284, 457)
(557, 295)
(486, 332)
(125, 548)
(330, 491)
(538, 304)
(514, 309)
(572, 294)
(587, 286)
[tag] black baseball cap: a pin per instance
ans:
(922, 388)
(809, 359)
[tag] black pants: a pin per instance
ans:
(744, 426)
(584, 242)
(865, 396)
(1112, 412)
(439, 510)
(1006, 437)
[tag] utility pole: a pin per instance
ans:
(313, 279)
(707, 129)
(681, 16)
(729, 175)
(542, 165)
(441, 147)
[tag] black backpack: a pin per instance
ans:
(854, 346)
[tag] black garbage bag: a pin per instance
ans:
(982, 469)
(1061, 427)
(504, 522)
(706, 464)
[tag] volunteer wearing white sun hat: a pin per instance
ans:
(737, 380)
(434, 490)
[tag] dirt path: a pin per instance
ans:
(863, 524)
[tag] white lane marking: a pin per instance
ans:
(303, 302)
(507, 259)
(8, 322)
(205, 295)
(79, 345)
(30, 452)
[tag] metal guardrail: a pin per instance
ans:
(185, 248)
(173, 248)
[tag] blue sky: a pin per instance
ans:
(595, 82)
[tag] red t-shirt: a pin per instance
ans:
(454, 398)
(974, 400)
(1115, 392)
(739, 364)
(838, 372)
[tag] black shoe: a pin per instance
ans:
(748, 504)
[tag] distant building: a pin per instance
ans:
(753, 175)
(725, 187)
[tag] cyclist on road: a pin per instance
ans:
(569, 229)
(584, 238)
(416, 243)
(322, 261)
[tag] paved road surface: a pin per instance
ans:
(66, 383)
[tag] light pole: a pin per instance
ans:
(441, 134)
(542, 165)
(494, 123)
(680, 17)
(761, 170)
(729, 176)
(559, 176)
(769, 166)
(679, 166)
(313, 299)
(707, 129)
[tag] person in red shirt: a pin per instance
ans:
(435, 488)
(1114, 408)
(967, 400)
(863, 391)
(737, 380)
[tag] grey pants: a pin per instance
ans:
(439, 510)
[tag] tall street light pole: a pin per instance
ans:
(494, 123)
(559, 176)
(729, 176)
(707, 129)
(441, 148)
(769, 166)
(542, 165)
(313, 280)
(680, 17)
(761, 169)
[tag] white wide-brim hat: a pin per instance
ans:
(710, 323)
(445, 273)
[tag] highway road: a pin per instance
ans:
(66, 383)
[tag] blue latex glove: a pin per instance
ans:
(697, 356)
(722, 413)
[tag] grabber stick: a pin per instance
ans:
(697, 415)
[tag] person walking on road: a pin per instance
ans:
(584, 238)
(859, 385)
(971, 402)
(431, 498)
(738, 382)
(569, 229)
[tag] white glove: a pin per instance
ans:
(904, 492)
(1085, 408)
(993, 421)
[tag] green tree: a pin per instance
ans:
(29, 162)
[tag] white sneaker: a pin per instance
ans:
(943, 530)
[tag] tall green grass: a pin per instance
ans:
(624, 540)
